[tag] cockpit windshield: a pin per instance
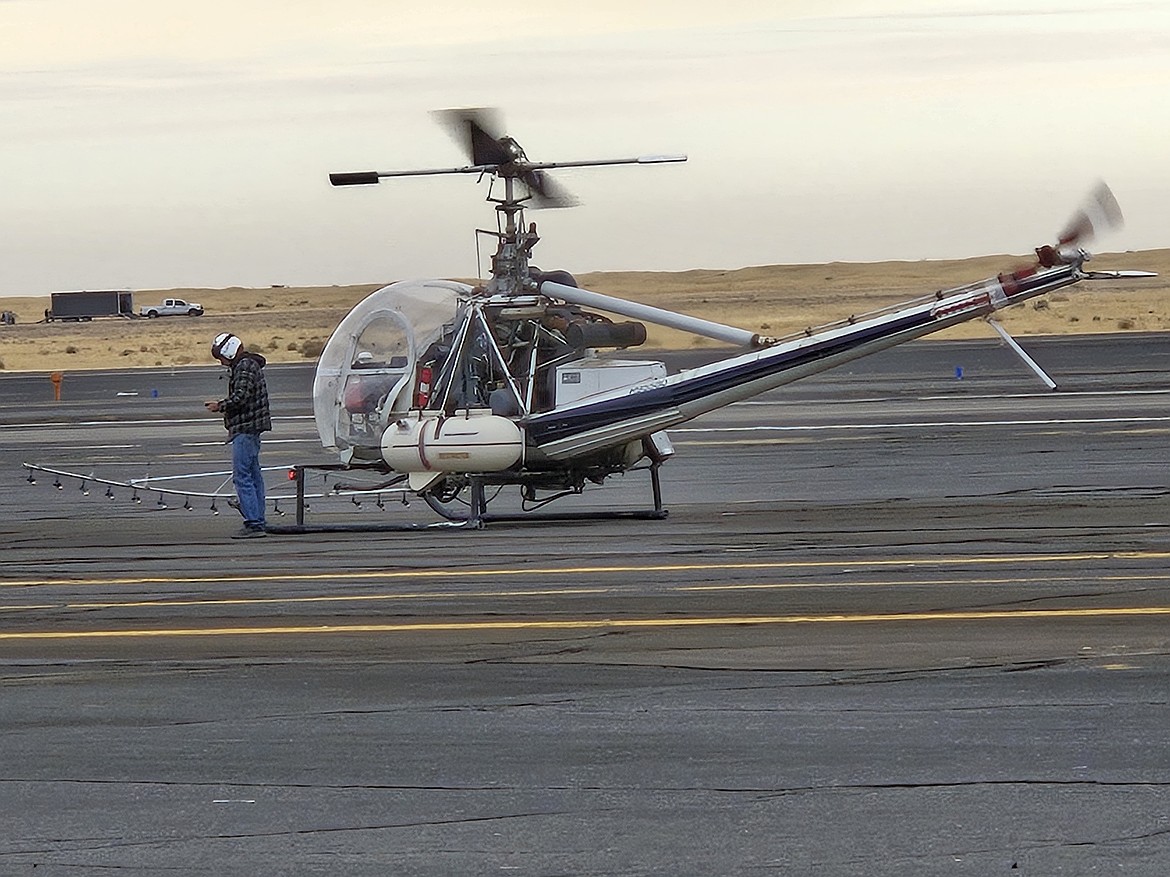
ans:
(367, 368)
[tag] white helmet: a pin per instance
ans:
(225, 346)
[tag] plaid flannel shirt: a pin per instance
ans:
(245, 410)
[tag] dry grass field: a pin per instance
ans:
(288, 324)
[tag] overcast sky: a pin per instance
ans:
(152, 144)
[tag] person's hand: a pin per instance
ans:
(211, 406)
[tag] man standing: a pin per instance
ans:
(245, 414)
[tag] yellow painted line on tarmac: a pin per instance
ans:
(497, 572)
(329, 598)
(924, 583)
(584, 624)
(569, 592)
(873, 583)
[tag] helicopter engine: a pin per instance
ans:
(581, 335)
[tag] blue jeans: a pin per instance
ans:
(248, 479)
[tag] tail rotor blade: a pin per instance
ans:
(1099, 213)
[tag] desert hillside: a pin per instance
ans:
(289, 324)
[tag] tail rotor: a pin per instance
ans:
(1099, 213)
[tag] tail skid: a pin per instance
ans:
(1015, 347)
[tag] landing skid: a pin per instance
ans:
(477, 516)
(300, 527)
(474, 513)
(472, 516)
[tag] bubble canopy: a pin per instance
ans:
(366, 369)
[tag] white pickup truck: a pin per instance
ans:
(172, 307)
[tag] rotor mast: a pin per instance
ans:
(509, 270)
(497, 155)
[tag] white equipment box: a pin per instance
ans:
(587, 377)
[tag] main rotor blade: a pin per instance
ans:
(357, 178)
(478, 131)
(365, 178)
(603, 162)
(547, 192)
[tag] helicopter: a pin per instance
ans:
(522, 380)
(442, 390)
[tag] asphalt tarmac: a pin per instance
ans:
(896, 622)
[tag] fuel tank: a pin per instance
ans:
(467, 441)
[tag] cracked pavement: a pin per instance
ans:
(908, 653)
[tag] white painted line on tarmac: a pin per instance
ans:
(920, 424)
(86, 424)
(1047, 394)
(267, 441)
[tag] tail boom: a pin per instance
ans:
(630, 412)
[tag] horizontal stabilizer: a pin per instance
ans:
(1117, 275)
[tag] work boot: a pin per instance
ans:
(248, 533)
